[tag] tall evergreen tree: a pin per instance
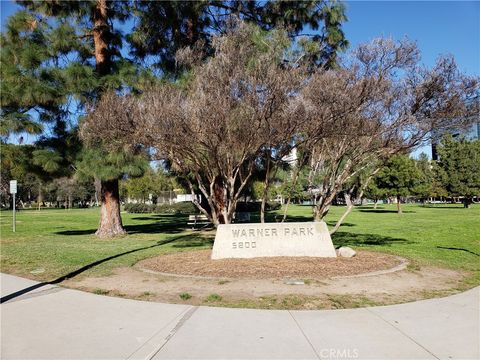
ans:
(163, 27)
(30, 84)
(79, 45)
(398, 178)
(58, 56)
(459, 161)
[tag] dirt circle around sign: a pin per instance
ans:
(198, 264)
(302, 283)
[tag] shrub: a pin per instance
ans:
(139, 208)
(185, 208)
(185, 296)
(213, 298)
(177, 208)
(255, 206)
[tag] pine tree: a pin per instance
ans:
(29, 82)
(58, 56)
(459, 161)
(164, 27)
(398, 178)
(79, 45)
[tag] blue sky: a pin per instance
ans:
(439, 27)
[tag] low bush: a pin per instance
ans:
(255, 206)
(139, 208)
(213, 298)
(185, 296)
(187, 208)
(177, 208)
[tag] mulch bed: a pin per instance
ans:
(198, 263)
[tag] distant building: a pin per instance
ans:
(291, 158)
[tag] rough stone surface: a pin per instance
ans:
(310, 239)
(345, 251)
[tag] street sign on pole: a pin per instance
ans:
(13, 186)
(13, 191)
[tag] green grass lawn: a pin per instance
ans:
(61, 241)
(53, 243)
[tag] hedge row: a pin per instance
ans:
(177, 208)
(255, 206)
(189, 208)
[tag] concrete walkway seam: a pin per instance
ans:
(401, 332)
(187, 315)
(304, 335)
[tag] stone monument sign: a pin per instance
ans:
(273, 239)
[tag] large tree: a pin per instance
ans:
(213, 131)
(459, 161)
(164, 27)
(77, 56)
(379, 102)
(398, 178)
(58, 56)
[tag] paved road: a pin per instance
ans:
(55, 323)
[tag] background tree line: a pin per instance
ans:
(222, 92)
(453, 177)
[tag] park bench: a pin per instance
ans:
(198, 219)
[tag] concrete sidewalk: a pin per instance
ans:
(55, 323)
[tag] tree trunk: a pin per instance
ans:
(266, 186)
(399, 205)
(322, 207)
(98, 190)
(100, 31)
(294, 183)
(348, 201)
(358, 198)
(40, 196)
(110, 220)
(219, 201)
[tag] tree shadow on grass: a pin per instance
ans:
(184, 241)
(385, 211)
(351, 239)
(272, 217)
(451, 207)
(333, 223)
(460, 249)
(164, 223)
(195, 242)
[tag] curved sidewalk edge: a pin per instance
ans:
(57, 323)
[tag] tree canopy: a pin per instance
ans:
(246, 101)
(459, 163)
